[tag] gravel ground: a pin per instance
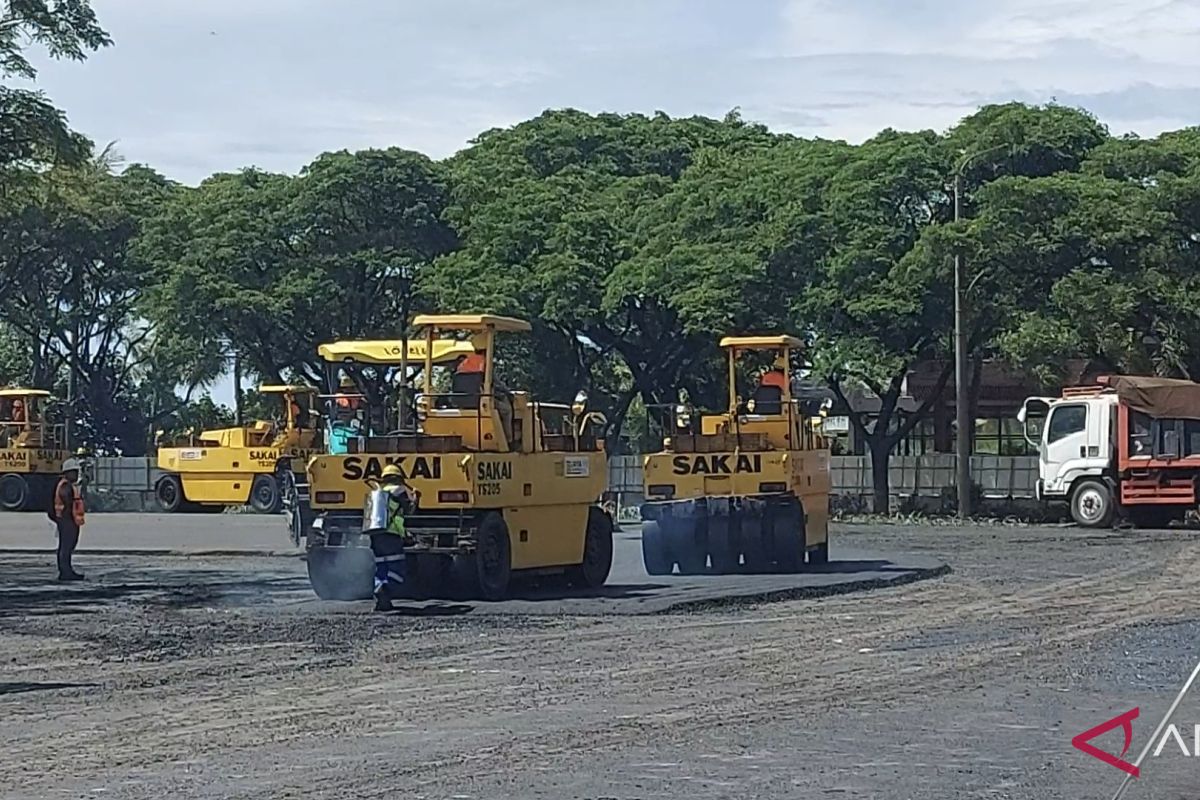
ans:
(970, 685)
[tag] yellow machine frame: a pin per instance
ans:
(238, 466)
(499, 490)
(31, 451)
(749, 491)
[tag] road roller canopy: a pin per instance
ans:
(272, 388)
(472, 322)
(760, 342)
(15, 392)
(388, 351)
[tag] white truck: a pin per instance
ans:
(1127, 446)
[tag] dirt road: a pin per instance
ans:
(967, 686)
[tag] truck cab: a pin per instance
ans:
(1126, 446)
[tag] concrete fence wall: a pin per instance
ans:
(909, 477)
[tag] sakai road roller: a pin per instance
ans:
(746, 490)
(240, 466)
(32, 450)
(364, 385)
(505, 486)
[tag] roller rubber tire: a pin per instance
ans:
(689, 542)
(341, 573)
(656, 551)
(723, 548)
(168, 493)
(493, 557)
(14, 492)
(265, 495)
(597, 552)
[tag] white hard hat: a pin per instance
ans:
(71, 465)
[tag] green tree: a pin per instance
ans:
(74, 290)
(552, 215)
(269, 266)
(32, 130)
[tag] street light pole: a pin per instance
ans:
(962, 410)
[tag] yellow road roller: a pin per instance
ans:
(32, 449)
(242, 465)
(746, 490)
(506, 486)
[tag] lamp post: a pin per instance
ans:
(962, 402)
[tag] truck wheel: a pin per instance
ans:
(264, 494)
(341, 573)
(656, 553)
(14, 492)
(493, 557)
(597, 552)
(169, 493)
(1092, 505)
(1152, 516)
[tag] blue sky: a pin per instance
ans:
(197, 86)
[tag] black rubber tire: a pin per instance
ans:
(300, 520)
(265, 496)
(493, 557)
(341, 573)
(755, 554)
(724, 547)
(425, 576)
(168, 493)
(1153, 516)
(689, 542)
(1092, 505)
(463, 578)
(787, 536)
(656, 551)
(597, 552)
(819, 555)
(14, 492)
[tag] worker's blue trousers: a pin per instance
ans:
(389, 561)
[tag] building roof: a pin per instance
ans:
(760, 342)
(387, 351)
(471, 322)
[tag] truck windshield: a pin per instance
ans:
(1065, 421)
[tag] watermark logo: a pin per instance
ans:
(1083, 742)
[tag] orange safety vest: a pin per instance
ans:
(470, 364)
(76, 506)
(773, 378)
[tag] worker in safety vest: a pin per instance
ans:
(68, 518)
(468, 383)
(388, 544)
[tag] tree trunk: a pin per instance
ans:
(881, 452)
(237, 390)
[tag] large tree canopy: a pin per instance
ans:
(631, 242)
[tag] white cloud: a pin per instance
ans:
(196, 87)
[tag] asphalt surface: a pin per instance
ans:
(209, 577)
(967, 685)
